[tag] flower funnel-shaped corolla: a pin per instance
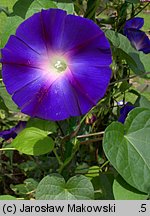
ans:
(56, 65)
(137, 37)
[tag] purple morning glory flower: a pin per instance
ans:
(135, 23)
(56, 65)
(124, 112)
(137, 37)
(12, 133)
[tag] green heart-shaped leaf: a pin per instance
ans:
(33, 141)
(54, 187)
(128, 148)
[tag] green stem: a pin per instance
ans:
(7, 149)
(90, 135)
(79, 7)
(104, 164)
(128, 78)
(68, 160)
(58, 158)
(141, 9)
(83, 119)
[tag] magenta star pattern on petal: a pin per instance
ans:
(56, 65)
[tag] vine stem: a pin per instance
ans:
(77, 145)
(107, 162)
(90, 135)
(127, 78)
(58, 158)
(68, 160)
(141, 9)
(79, 7)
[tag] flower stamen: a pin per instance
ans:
(60, 65)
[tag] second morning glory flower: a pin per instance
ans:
(138, 38)
(56, 65)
